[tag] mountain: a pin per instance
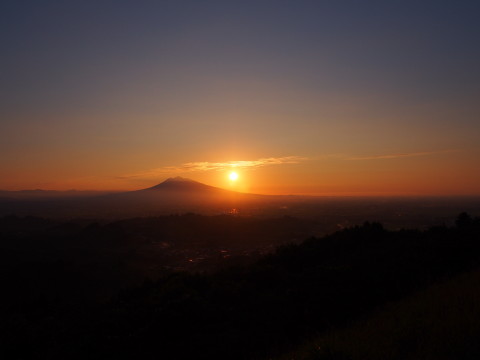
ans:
(180, 184)
(173, 196)
(179, 195)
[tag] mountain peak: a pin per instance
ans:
(180, 184)
(178, 179)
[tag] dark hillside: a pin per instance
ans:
(244, 312)
(441, 323)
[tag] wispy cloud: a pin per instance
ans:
(216, 166)
(219, 166)
(400, 155)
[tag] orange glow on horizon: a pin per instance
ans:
(401, 174)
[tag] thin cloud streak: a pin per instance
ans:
(219, 166)
(216, 166)
(401, 155)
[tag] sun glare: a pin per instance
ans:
(233, 176)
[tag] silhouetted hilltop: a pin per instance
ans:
(180, 184)
(174, 195)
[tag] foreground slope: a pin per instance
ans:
(441, 323)
(260, 310)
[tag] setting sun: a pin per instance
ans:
(233, 176)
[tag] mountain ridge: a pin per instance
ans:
(183, 184)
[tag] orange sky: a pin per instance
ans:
(446, 172)
(327, 98)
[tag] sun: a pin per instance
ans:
(233, 176)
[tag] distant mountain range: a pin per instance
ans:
(180, 195)
(173, 185)
(174, 195)
(48, 194)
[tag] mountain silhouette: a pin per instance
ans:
(175, 195)
(180, 184)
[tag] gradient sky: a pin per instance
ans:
(301, 97)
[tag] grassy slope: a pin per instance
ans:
(441, 322)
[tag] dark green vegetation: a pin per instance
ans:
(257, 309)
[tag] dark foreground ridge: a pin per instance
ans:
(259, 310)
